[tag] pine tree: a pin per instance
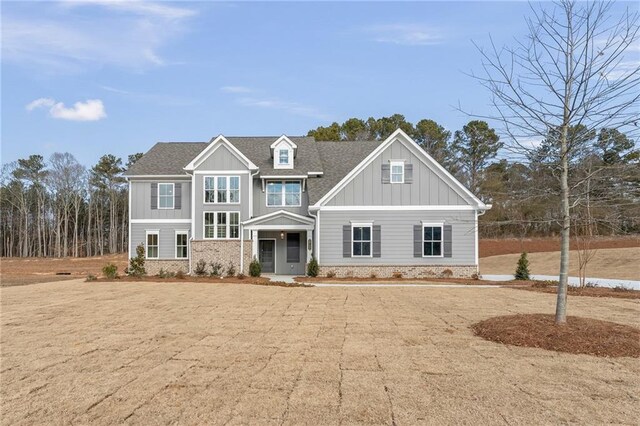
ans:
(522, 271)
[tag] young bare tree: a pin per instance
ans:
(571, 71)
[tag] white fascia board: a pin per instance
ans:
(315, 173)
(212, 147)
(419, 152)
(160, 220)
(283, 177)
(275, 214)
(142, 177)
(395, 208)
(284, 139)
(279, 228)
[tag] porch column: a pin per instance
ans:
(254, 244)
(309, 244)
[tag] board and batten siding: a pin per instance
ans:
(260, 201)
(427, 187)
(141, 200)
(222, 159)
(396, 239)
(166, 237)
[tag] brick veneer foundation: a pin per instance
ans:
(153, 266)
(221, 251)
(407, 271)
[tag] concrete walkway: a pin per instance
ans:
(404, 285)
(573, 281)
(289, 279)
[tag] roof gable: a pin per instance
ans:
(212, 147)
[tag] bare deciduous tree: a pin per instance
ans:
(570, 72)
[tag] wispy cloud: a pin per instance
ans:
(125, 34)
(622, 70)
(156, 98)
(89, 110)
(235, 89)
(405, 34)
(295, 108)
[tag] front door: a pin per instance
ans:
(267, 256)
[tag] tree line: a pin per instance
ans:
(523, 184)
(58, 207)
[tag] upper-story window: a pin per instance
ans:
(284, 193)
(222, 189)
(397, 171)
(283, 152)
(165, 195)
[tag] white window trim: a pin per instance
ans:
(395, 163)
(359, 225)
(175, 248)
(433, 225)
(283, 144)
(173, 191)
(215, 188)
(146, 243)
(283, 193)
(215, 225)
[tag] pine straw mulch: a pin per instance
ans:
(204, 279)
(578, 336)
(618, 292)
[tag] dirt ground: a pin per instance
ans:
(621, 263)
(192, 353)
(495, 247)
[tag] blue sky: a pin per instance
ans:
(96, 77)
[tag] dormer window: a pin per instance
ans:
(283, 152)
(283, 157)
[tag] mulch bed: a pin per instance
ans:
(494, 247)
(618, 293)
(578, 336)
(195, 279)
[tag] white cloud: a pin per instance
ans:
(529, 142)
(286, 106)
(405, 34)
(235, 89)
(89, 110)
(123, 34)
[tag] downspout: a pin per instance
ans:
(190, 254)
(241, 223)
(316, 233)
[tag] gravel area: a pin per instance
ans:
(198, 353)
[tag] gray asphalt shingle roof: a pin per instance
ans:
(333, 159)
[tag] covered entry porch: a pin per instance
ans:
(282, 241)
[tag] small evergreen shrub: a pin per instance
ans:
(331, 274)
(397, 275)
(522, 270)
(241, 276)
(373, 276)
(313, 269)
(165, 274)
(255, 267)
(91, 277)
(231, 269)
(136, 264)
(201, 268)
(110, 271)
(216, 269)
(180, 274)
(447, 273)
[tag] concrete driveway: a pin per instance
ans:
(183, 353)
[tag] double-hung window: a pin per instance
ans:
(283, 156)
(153, 244)
(361, 240)
(221, 189)
(284, 193)
(221, 225)
(165, 195)
(397, 171)
(181, 245)
(432, 240)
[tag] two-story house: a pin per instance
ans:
(361, 207)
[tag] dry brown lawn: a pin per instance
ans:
(197, 353)
(619, 263)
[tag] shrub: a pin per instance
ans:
(475, 276)
(201, 268)
(522, 271)
(110, 271)
(136, 264)
(331, 274)
(91, 277)
(622, 288)
(216, 269)
(397, 275)
(373, 276)
(241, 276)
(231, 269)
(543, 284)
(165, 274)
(313, 269)
(255, 267)
(447, 273)
(180, 274)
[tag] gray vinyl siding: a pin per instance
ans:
(222, 159)
(427, 189)
(260, 201)
(282, 267)
(166, 237)
(141, 201)
(397, 236)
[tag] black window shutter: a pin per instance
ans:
(386, 173)
(346, 241)
(377, 252)
(447, 238)
(408, 173)
(417, 240)
(154, 196)
(177, 202)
